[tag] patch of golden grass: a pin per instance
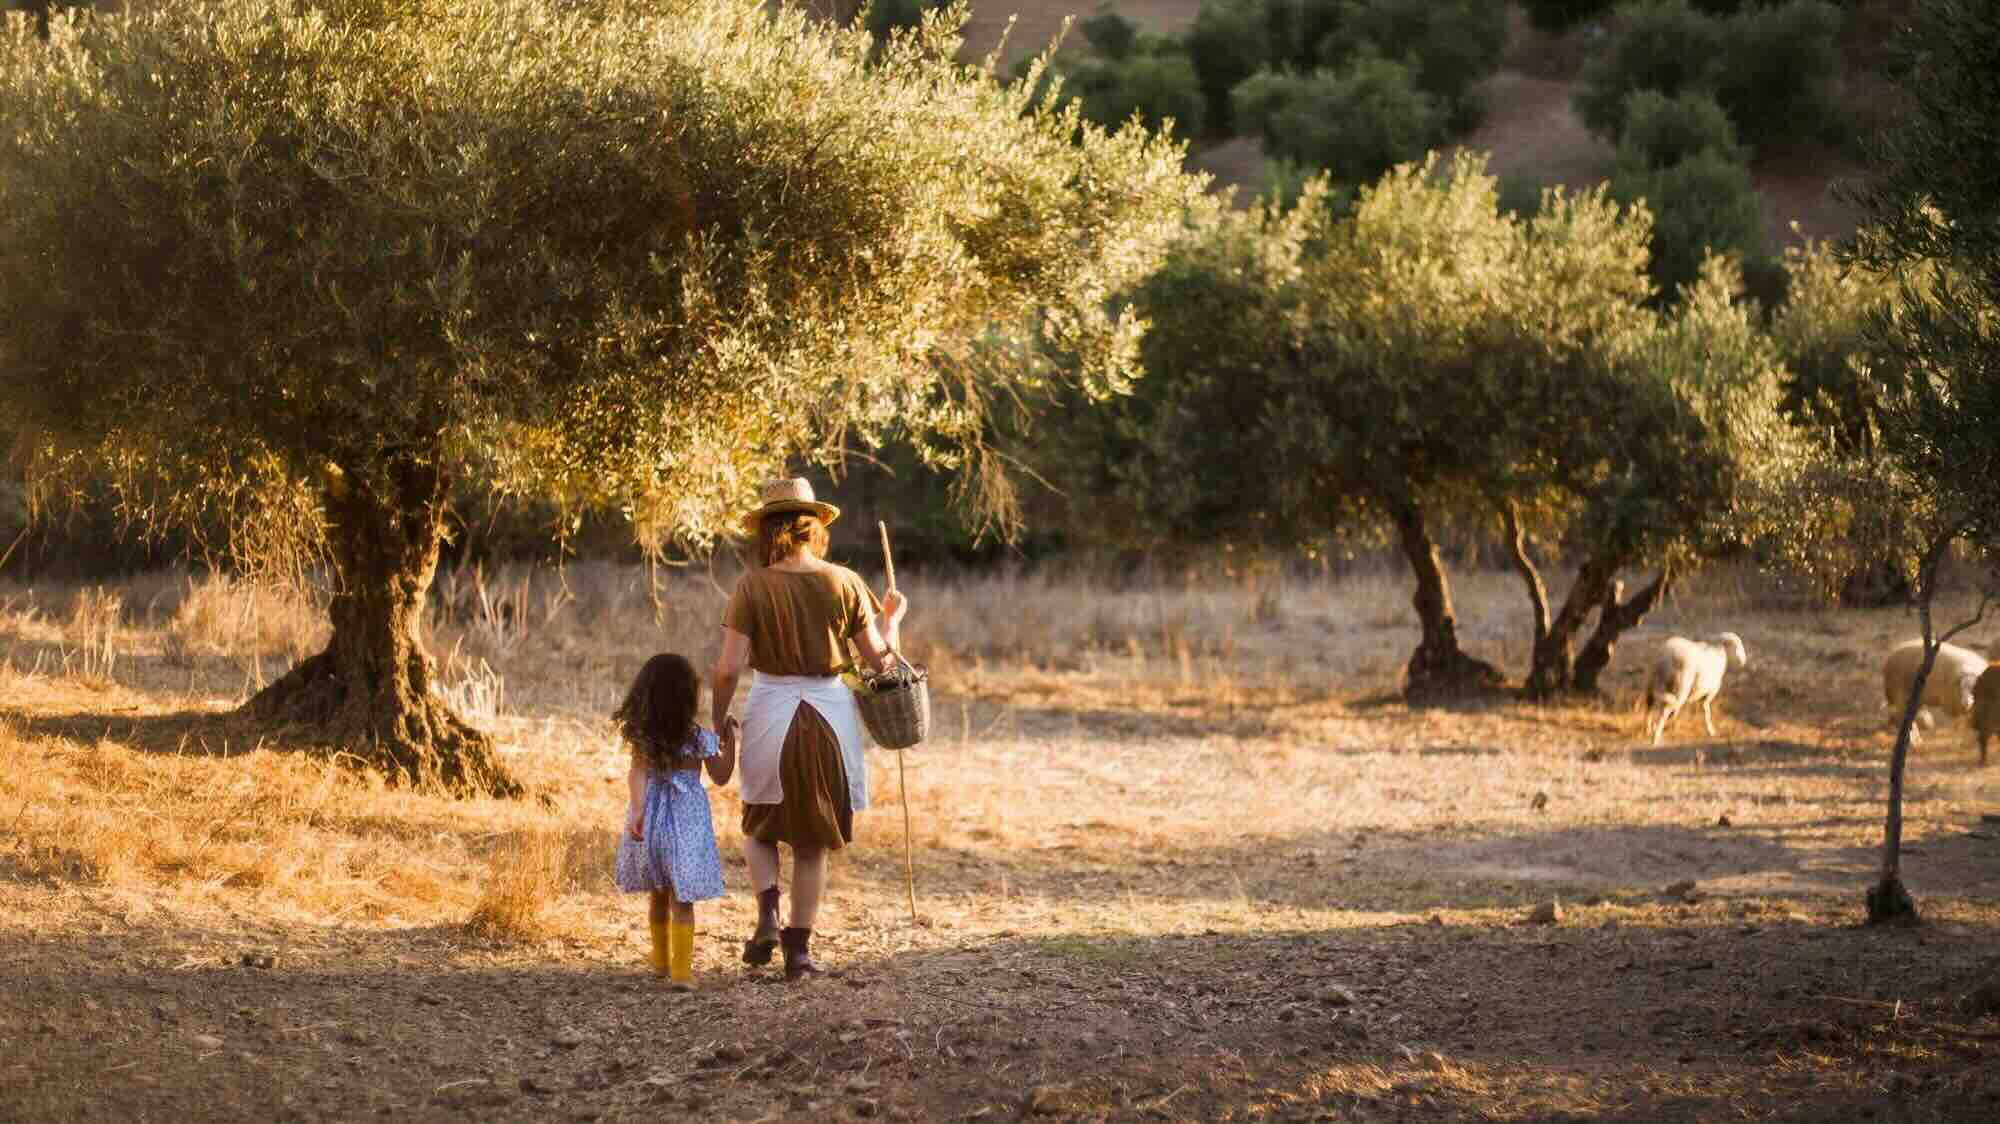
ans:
(299, 835)
(525, 875)
(216, 615)
(93, 637)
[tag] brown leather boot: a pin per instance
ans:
(757, 950)
(798, 957)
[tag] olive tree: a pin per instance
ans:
(1382, 365)
(1421, 355)
(1677, 450)
(634, 256)
(1934, 210)
(1858, 529)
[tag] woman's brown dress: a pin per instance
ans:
(799, 623)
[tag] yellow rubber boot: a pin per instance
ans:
(662, 939)
(680, 957)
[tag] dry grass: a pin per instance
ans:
(525, 876)
(1070, 717)
(219, 617)
(1209, 775)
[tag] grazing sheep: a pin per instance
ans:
(1949, 686)
(1986, 708)
(1689, 671)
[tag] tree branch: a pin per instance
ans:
(1517, 547)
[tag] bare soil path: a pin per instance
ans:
(1151, 889)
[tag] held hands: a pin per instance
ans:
(730, 732)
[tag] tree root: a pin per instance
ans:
(1456, 676)
(1890, 904)
(413, 737)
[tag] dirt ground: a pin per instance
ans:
(1243, 882)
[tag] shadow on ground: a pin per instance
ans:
(1406, 1022)
(189, 732)
(1420, 871)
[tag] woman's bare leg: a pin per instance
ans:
(763, 860)
(808, 883)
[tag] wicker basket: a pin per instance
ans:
(900, 716)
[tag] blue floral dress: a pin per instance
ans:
(678, 852)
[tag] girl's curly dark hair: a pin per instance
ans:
(657, 716)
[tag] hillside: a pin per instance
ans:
(1531, 128)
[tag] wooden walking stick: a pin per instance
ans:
(902, 782)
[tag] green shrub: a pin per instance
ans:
(1779, 74)
(1110, 34)
(1226, 45)
(1284, 183)
(1155, 87)
(1661, 131)
(1450, 45)
(1521, 196)
(884, 16)
(1561, 15)
(1297, 33)
(1662, 45)
(1705, 202)
(1355, 122)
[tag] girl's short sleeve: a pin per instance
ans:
(859, 602)
(704, 745)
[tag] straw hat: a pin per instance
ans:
(795, 494)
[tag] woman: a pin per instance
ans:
(790, 621)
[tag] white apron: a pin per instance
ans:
(767, 716)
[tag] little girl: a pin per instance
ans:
(668, 849)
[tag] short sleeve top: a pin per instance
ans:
(799, 622)
(700, 746)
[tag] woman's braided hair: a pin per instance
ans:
(780, 535)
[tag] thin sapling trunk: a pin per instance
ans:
(1889, 901)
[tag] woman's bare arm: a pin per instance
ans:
(889, 625)
(874, 649)
(729, 665)
(720, 769)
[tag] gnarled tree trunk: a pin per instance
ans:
(370, 690)
(1538, 592)
(1614, 619)
(1438, 666)
(1553, 668)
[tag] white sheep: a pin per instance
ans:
(1986, 708)
(1949, 686)
(1689, 671)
